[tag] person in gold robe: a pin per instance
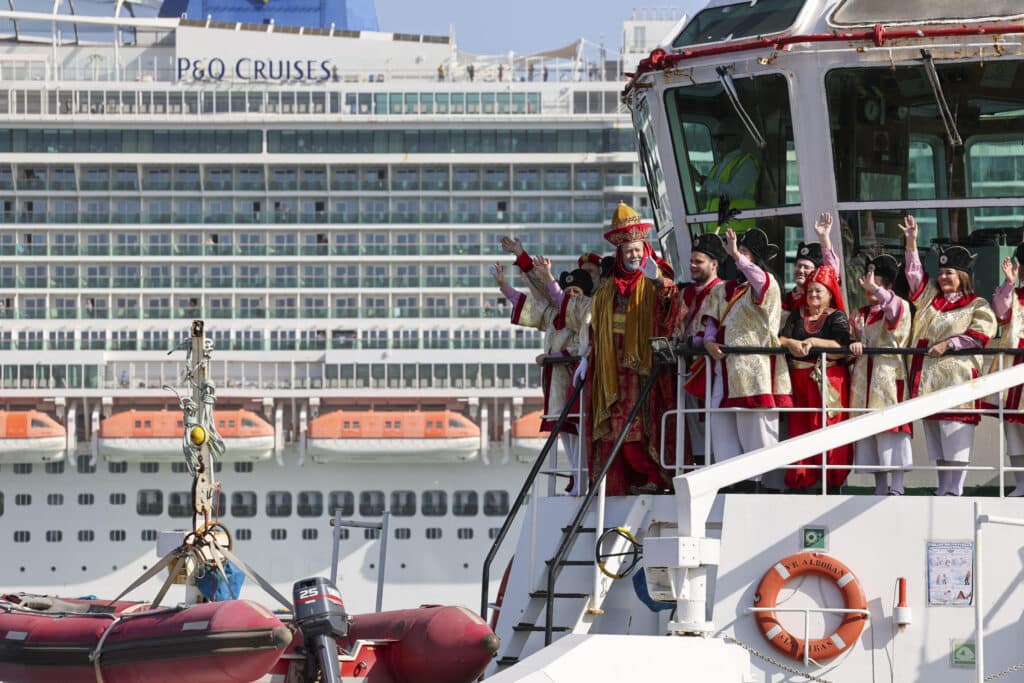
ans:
(1008, 304)
(950, 316)
(638, 301)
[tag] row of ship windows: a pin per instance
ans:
(403, 503)
(379, 141)
(341, 177)
(308, 534)
(287, 374)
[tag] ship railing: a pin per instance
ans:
(684, 353)
(339, 525)
(528, 483)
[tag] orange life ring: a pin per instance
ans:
(823, 565)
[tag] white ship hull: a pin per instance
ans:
(250, 448)
(395, 451)
(36, 450)
(526, 450)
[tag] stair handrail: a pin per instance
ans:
(528, 483)
(572, 532)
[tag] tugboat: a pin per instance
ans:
(866, 110)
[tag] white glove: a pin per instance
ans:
(650, 268)
(581, 372)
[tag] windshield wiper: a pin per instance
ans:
(737, 106)
(945, 114)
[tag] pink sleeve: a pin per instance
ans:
(830, 259)
(1001, 300)
(964, 341)
(710, 332)
(555, 293)
(511, 293)
(890, 304)
(912, 268)
(757, 278)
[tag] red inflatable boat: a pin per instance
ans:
(45, 639)
(429, 644)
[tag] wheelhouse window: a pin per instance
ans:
(716, 154)
(739, 20)
(890, 143)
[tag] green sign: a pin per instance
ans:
(813, 538)
(962, 653)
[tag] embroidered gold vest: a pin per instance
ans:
(876, 380)
(1011, 336)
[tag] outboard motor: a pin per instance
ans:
(320, 615)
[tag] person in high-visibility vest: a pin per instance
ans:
(734, 174)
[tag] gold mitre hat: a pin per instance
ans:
(627, 226)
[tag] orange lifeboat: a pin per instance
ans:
(527, 438)
(30, 436)
(398, 436)
(155, 435)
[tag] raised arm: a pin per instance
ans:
(823, 227)
(912, 262)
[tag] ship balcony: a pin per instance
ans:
(314, 313)
(614, 182)
(435, 217)
(127, 250)
(220, 281)
(405, 186)
(313, 250)
(285, 217)
(124, 186)
(156, 185)
(346, 217)
(251, 312)
(526, 216)
(348, 282)
(346, 312)
(187, 186)
(467, 216)
(8, 282)
(405, 217)
(344, 185)
(219, 250)
(283, 185)
(435, 185)
(33, 184)
(188, 250)
(526, 185)
(157, 282)
(404, 282)
(314, 217)
(62, 185)
(466, 185)
(126, 282)
(250, 185)
(155, 217)
(218, 217)
(373, 185)
(126, 313)
(557, 217)
(95, 314)
(158, 250)
(31, 217)
(190, 282)
(93, 218)
(314, 282)
(125, 217)
(588, 217)
(284, 312)
(95, 185)
(34, 282)
(222, 313)
(157, 312)
(436, 249)
(186, 217)
(257, 282)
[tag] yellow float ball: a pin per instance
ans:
(197, 435)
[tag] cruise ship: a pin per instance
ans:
(328, 198)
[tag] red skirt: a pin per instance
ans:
(807, 394)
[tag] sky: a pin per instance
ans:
(491, 27)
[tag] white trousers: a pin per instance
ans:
(1015, 449)
(950, 444)
(694, 425)
(888, 449)
(739, 432)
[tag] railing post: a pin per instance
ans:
(823, 364)
(979, 623)
(1002, 438)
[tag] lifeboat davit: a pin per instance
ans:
(399, 436)
(430, 644)
(527, 438)
(30, 436)
(155, 435)
(50, 639)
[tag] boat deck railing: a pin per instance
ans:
(1003, 359)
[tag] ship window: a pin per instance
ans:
(403, 503)
(150, 502)
(434, 533)
(347, 424)
(309, 534)
(496, 503)
(453, 424)
(23, 468)
(465, 534)
(149, 467)
(493, 532)
(86, 465)
(86, 499)
(86, 536)
(716, 154)
(403, 533)
(55, 499)
(311, 504)
(23, 499)
(243, 534)
(278, 534)
(22, 536)
(243, 467)
(55, 467)
(387, 424)
(54, 536)
(178, 467)
(118, 535)
(179, 504)
(149, 535)
(138, 423)
(243, 504)
(39, 424)
(117, 467)
(118, 499)
(343, 501)
(734, 21)
(279, 504)
(430, 424)
(343, 534)
(246, 422)
(435, 503)
(371, 503)
(465, 504)
(371, 534)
